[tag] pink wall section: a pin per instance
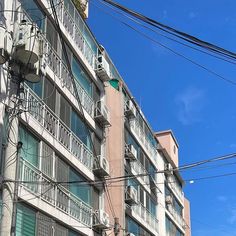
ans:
(168, 141)
(187, 217)
(115, 154)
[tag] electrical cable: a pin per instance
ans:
(163, 35)
(179, 54)
(172, 31)
(125, 177)
(72, 77)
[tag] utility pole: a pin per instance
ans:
(11, 159)
(22, 63)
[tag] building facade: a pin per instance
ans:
(77, 154)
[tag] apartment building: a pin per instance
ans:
(151, 201)
(86, 158)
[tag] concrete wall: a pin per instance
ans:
(168, 141)
(115, 154)
(187, 217)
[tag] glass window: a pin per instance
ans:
(50, 94)
(80, 130)
(82, 191)
(60, 230)
(51, 35)
(153, 208)
(25, 221)
(36, 87)
(47, 160)
(65, 111)
(29, 151)
(62, 171)
(132, 227)
(95, 201)
(44, 225)
(34, 12)
(82, 77)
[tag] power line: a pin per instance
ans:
(126, 177)
(184, 36)
(163, 35)
(178, 54)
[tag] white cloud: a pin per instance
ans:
(190, 104)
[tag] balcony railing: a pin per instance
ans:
(173, 183)
(139, 169)
(54, 62)
(176, 215)
(146, 216)
(54, 194)
(74, 29)
(134, 124)
(55, 126)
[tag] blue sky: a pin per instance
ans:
(175, 94)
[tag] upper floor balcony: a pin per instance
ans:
(172, 182)
(49, 121)
(142, 137)
(52, 64)
(176, 216)
(145, 217)
(138, 169)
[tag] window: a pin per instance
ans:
(65, 111)
(50, 94)
(81, 76)
(36, 87)
(80, 129)
(62, 171)
(44, 225)
(95, 201)
(51, 35)
(97, 145)
(29, 151)
(34, 12)
(47, 160)
(25, 221)
(171, 229)
(132, 226)
(82, 191)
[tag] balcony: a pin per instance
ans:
(148, 146)
(52, 60)
(51, 122)
(138, 169)
(54, 194)
(74, 29)
(145, 217)
(173, 184)
(177, 217)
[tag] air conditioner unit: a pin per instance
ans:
(130, 110)
(131, 195)
(5, 45)
(27, 43)
(101, 219)
(130, 234)
(169, 199)
(101, 167)
(103, 69)
(130, 152)
(168, 169)
(102, 114)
